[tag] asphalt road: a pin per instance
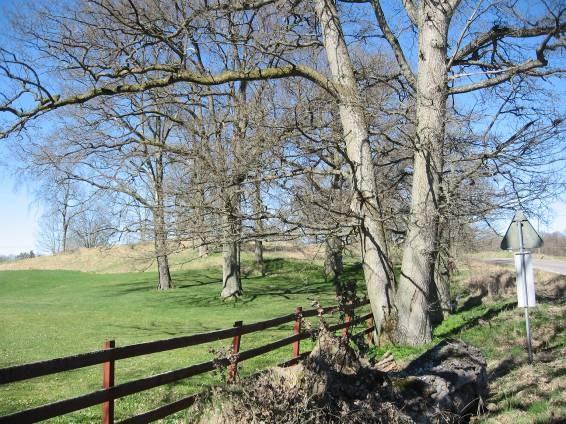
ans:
(558, 267)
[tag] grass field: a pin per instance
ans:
(47, 313)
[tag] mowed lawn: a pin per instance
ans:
(48, 314)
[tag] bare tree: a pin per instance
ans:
(115, 63)
(483, 58)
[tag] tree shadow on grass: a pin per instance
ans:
(489, 313)
(473, 301)
(149, 283)
(185, 283)
(287, 289)
(353, 271)
(314, 285)
(155, 332)
(503, 368)
(284, 279)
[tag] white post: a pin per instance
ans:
(524, 288)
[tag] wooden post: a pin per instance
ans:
(370, 324)
(297, 330)
(233, 368)
(347, 318)
(107, 382)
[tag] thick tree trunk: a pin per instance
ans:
(160, 243)
(164, 274)
(160, 227)
(231, 281)
(442, 281)
(413, 324)
(333, 262)
(358, 150)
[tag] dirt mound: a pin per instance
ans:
(335, 385)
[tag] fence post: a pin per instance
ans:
(107, 382)
(370, 324)
(297, 330)
(347, 317)
(233, 367)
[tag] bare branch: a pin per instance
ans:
(176, 76)
(497, 33)
(505, 76)
(394, 43)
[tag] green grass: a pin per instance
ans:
(520, 393)
(47, 314)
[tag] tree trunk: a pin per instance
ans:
(200, 223)
(333, 263)
(258, 245)
(65, 217)
(258, 256)
(231, 281)
(160, 243)
(203, 250)
(164, 274)
(358, 150)
(413, 324)
(65, 234)
(160, 227)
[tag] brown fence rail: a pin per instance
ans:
(110, 354)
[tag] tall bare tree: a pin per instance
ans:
(191, 49)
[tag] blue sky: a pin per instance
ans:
(19, 214)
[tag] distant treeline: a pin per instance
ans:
(22, 255)
(554, 243)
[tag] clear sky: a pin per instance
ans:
(19, 214)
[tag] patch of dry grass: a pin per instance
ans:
(520, 392)
(139, 258)
(505, 254)
(530, 393)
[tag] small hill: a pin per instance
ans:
(139, 258)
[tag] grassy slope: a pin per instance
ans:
(520, 393)
(47, 314)
(139, 258)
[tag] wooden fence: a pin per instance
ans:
(110, 354)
